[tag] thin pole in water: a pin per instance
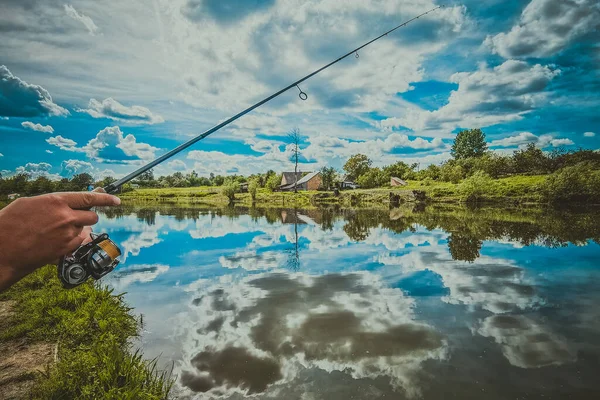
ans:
(113, 187)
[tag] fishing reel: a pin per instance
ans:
(96, 259)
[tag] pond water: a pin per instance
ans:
(335, 304)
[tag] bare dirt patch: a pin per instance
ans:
(20, 360)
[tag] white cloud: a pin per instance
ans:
(484, 97)
(524, 138)
(351, 323)
(49, 152)
(35, 170)
(589, 134)
(177, 165)
(62, 143)
(22, 99)
(1, 155)
(546, 27)
(37, 127)
(525, 343)
(73, 167)
(84, 19)
(138, 273)
(112, 109)
(110, 145)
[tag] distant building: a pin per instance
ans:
(287, 178)
(348, 184)
(244, 187)
(397, 182)
(13, 196)
(312, 181)
(135, 186)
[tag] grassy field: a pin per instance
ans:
(90, 329)
(515, 189)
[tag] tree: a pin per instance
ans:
(229, 190)
(147, 179)
(357, 165)
(294, 139)
(374, 177)
(253, 188)
(272, 183)
(400, 170)
(469, 143)
(328, 177)
(82, 181)
(531, 160)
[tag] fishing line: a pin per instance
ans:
(113, 187)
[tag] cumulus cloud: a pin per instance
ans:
(49, 152)
(138, 273)
(82, 18)
(22, 99)
(35, 170)
(589, 134)
(546, 27)
(280, 324)
(1, 155)
(63, 143)
(484, 97)
(37, 127)
(525, 343)
(177, 165)
(110, 145)
(525, 138)
(112, 109)
(73, 167)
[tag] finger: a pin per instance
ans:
(74, 244)
(84, 200)
(85, 218)
(85, 234)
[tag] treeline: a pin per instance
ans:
(574, 174)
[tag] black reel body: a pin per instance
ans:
(96, 259)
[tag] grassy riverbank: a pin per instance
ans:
(89, 330)
(514, 190)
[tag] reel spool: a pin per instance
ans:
(96, 259)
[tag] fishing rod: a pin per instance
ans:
(100, 256)
(113, 187)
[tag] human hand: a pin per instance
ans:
(35, 231)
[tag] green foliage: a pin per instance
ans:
(469, 143)
(531, 160)
(400, 170)
(253, 186)
(578, 183)
(452, 172)
(328, 177)
(374, 177)
(229, 190)
(494, 165)
(92, 328)
(273, 183)
(474, 188)
(356, 166)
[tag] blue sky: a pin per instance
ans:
(103, 88)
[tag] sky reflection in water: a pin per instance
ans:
(430, 303)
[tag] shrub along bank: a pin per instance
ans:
(90, 328)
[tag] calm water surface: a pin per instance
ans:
(433, 304)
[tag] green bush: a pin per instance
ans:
(373, 178)
(92, 328)
(474, 188)
(229, 190)
(579, 183)
(272, 183)
(253, 188)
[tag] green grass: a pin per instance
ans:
(514, 189)
(92, 328)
